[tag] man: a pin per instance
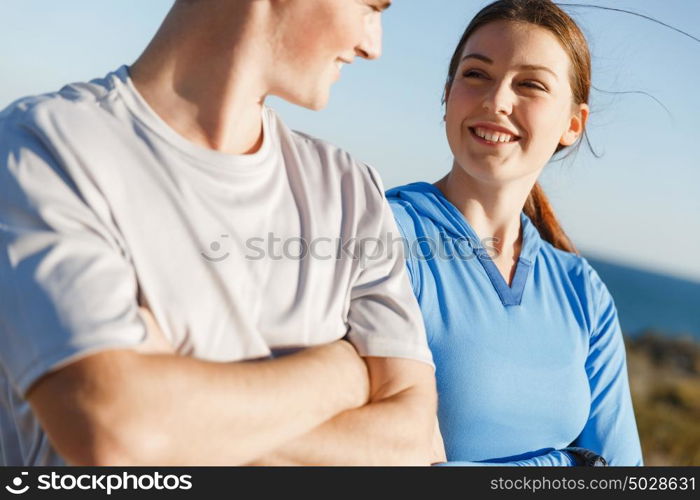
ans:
(149, 188)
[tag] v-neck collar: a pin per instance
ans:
(510, 295)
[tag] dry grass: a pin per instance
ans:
(665, 383)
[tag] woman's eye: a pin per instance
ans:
(472, 74)
(534, 85)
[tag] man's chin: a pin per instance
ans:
(315, 102)
(317, 106)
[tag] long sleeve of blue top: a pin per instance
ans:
(523, 369)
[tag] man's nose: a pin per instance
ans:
(371, 45)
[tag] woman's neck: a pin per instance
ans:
(492, 210)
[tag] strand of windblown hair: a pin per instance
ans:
(648, 18)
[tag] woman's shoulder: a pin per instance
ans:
(574, 265)
(410, 195)
(580, 274)
(408, 204)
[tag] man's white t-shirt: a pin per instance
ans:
(104, 207)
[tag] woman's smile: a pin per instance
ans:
(490, 137)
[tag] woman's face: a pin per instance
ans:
(510, 103)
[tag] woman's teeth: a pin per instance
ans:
(492, 136)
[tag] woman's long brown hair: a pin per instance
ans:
(545, 14)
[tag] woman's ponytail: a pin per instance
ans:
(540, 212)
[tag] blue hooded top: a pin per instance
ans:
(522, 370)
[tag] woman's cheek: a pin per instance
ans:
(544, 123)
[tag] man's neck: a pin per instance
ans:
(203, 84)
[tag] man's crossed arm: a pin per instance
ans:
(318, 406)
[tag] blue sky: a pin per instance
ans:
(639, 204)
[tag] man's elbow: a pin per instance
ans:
(94, 423)
(417, 439)
(110, 447)
(92, 453)
(409, 386)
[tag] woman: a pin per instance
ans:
(529, 353)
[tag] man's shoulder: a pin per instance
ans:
(74, 102)
(329, 157)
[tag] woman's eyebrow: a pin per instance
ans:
(531, 67)
(535, 67)
(480, 57)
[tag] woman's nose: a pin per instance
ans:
(499, 99)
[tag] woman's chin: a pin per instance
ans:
(497, 173)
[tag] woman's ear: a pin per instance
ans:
(577, 124)
(445, 97)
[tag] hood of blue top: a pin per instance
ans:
(428, 201)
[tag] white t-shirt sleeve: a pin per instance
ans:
(66, 289)
(384, 316)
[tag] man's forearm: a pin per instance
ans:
(388, 432)
(177, 410)
(394, 429)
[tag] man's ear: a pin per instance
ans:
(577, 124)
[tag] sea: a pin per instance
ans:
(649, 301)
